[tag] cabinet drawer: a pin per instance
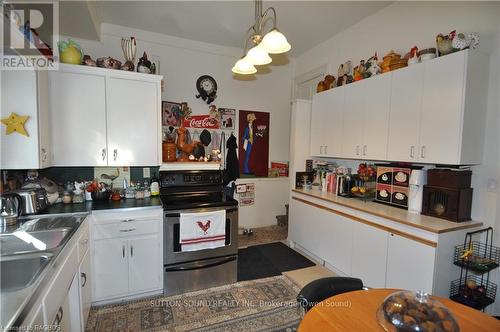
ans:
(129, 215)
(122, 229)
(83, 243)
(60, 286)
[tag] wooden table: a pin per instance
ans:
(356, 311)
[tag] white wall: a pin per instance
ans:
(183, 61)
(405, 24)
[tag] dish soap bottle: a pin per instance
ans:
(155, 186)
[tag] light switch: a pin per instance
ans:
(146, 172)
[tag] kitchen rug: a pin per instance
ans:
(260, 305)
(267, 260)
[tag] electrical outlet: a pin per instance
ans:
(146, 173)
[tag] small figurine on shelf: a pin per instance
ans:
(345, 74)
(359, 71)
(108, 62)
(445, 43)
(144, 65)
(465, 40)
(372, 66)
(129, 52)
(327, 84)
(412, 56)
(88, 61)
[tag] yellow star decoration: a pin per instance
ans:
(14, 123)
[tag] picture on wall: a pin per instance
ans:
(228, 118)
(170, 114)
(253, 143)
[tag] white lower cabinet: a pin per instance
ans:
(85, 288)
(127, 256)
(360, 248)
(369, 255)
(410, 264)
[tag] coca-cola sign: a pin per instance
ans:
(201, 121)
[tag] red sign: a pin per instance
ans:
(201, 121)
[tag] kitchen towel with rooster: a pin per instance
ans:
(202, 230)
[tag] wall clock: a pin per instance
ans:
(207, 88)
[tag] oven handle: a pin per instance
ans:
(176, 214)
(197, 266)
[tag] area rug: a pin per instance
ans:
(259, 305)
(267, 260)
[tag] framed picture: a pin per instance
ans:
(170, 114)
(228, 118)
(241, 188)
(253, 143)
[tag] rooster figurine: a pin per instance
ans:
(185, 148)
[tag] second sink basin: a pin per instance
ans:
(20, 271)
(26, 242)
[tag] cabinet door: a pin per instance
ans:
(410, 264)
(333, 122)
(376, 117)
(353, 112)
(78, 119)
(442, 109)
(132, 121)
(339, 241)
(75, 311)
(85, 288)
(19, 95)
(406, 108)
(369, 254)
(110, 267)
(145, 264)
(319, 110)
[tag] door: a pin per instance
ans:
(377, 96)
(85, 288)
(333, 122)
(410, 264)
(353, 123)
(110, 268)
(320, 105)
(133, 127)
(78, 119)
(369, 254)
(406, 109)
(442, 109)
(145, 263)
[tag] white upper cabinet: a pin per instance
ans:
(132, 123)
(406, 106)
(375, 117)
(78, 119)
(433, 112)
(105, 117)
(25, 92)
(354, 107)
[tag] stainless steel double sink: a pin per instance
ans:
(27, 250)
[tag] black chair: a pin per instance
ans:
(321, 289)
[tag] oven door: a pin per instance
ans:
(172, 253)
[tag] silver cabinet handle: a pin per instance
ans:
(44, 154)
(364, 150)
(123, 251)
(84, 276)
(422, 151)
(127, 230)
(412, 151)
(131, 251)
(128, 220)
(357, 150)
(115, 154)
(103, 154)
(59, 317)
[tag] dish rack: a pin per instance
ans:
(475, 259)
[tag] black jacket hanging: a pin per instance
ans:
(232, 163)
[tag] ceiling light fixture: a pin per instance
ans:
(273, 42)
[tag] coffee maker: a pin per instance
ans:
(418, 178)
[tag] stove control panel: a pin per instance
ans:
(190, 178)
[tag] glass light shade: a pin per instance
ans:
(244, 67)
(274, 42)
(258, 56)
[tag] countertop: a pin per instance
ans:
(90, 206)
(431, 224)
